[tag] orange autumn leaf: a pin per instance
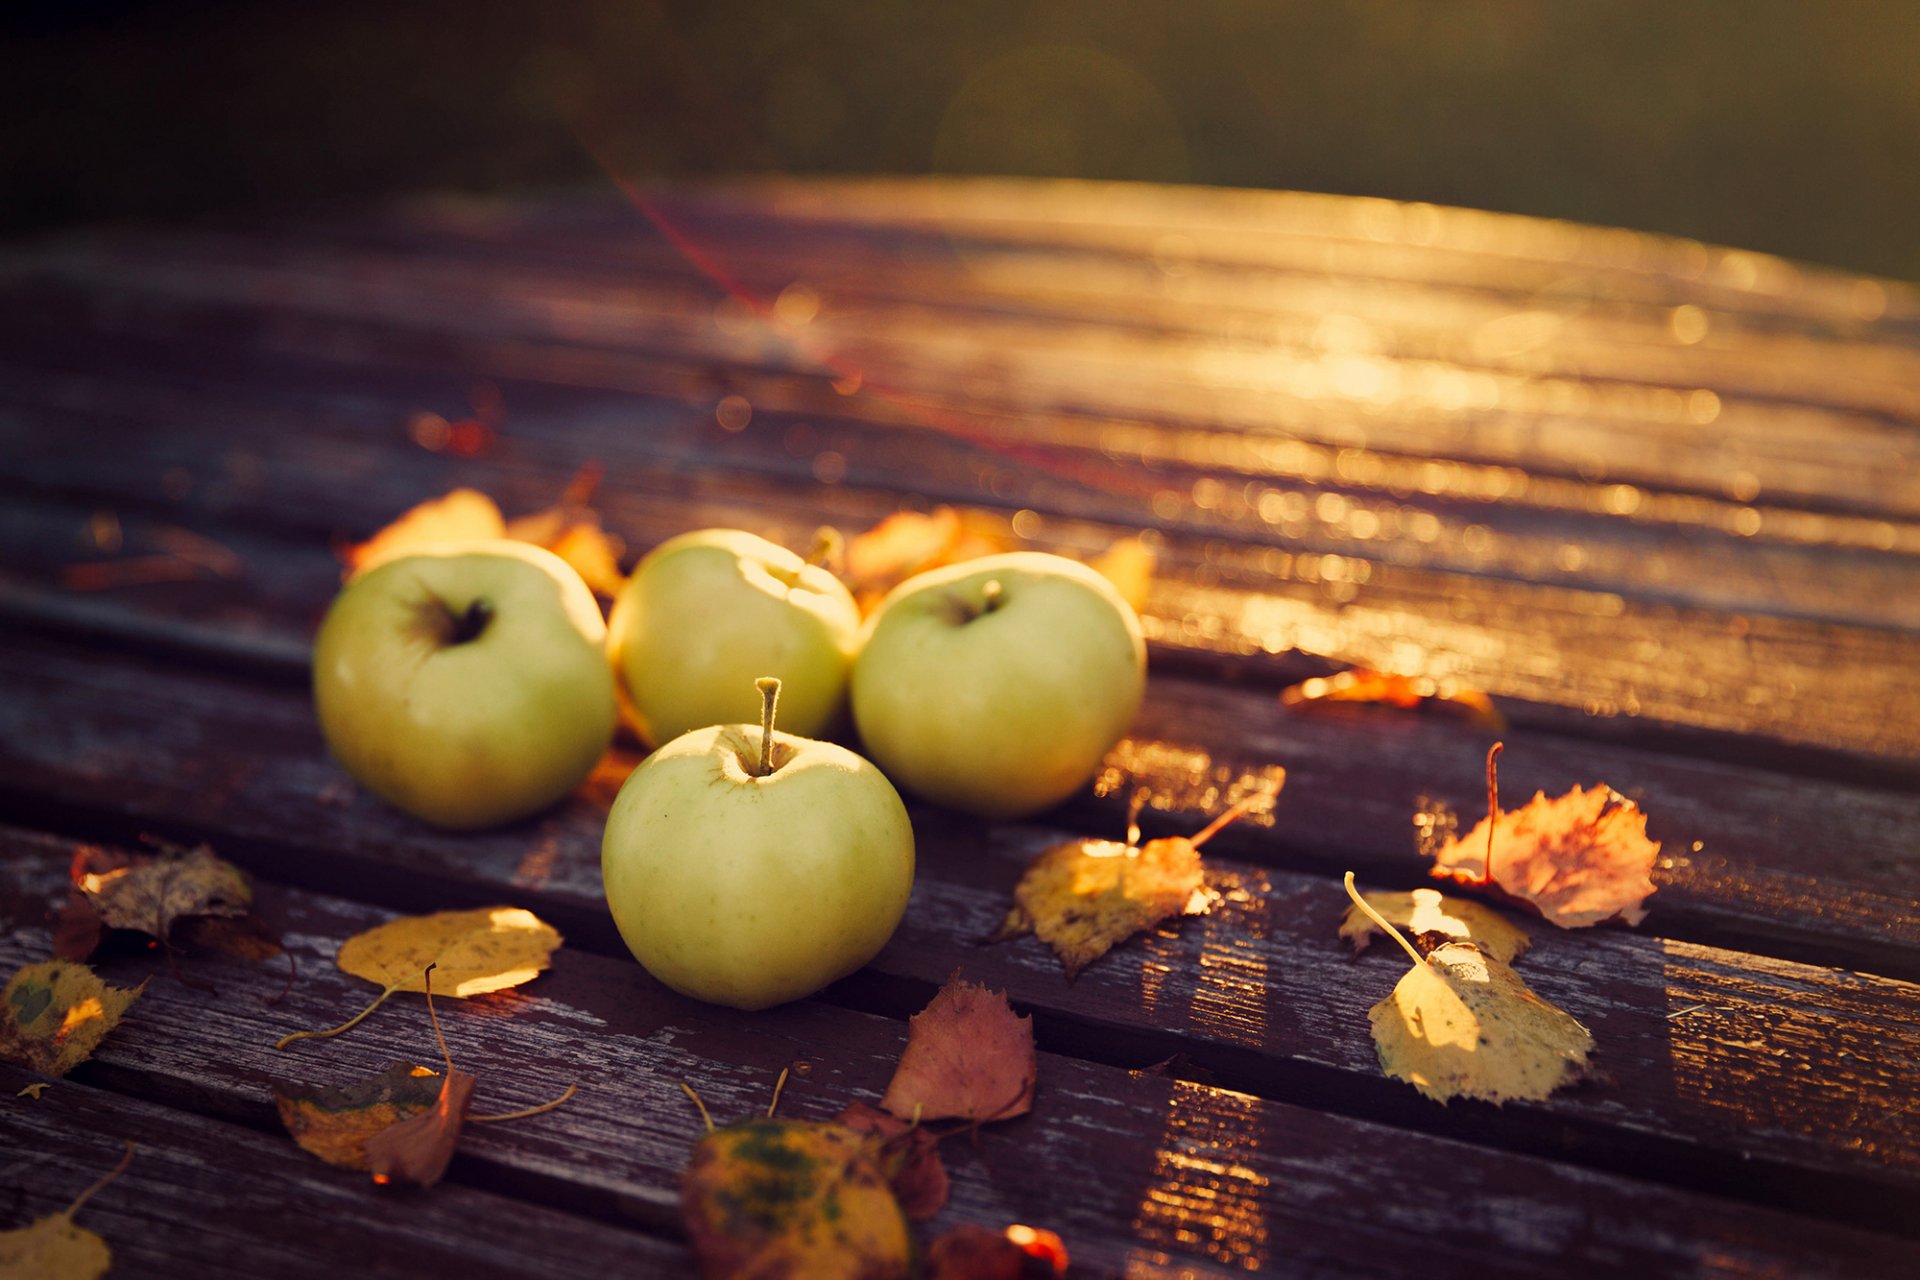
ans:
(417, 1150)
(335, 1123)
(968, 1057)
(461, 516)
(1580, 859)
(1405, 692)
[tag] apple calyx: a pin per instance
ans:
(769, 687)
(447, 628)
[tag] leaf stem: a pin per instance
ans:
(91, 1191)
(769, 687)
(778, 1085)
(426, 977)
(696, 1102)
(378, 1000)
(529, 1111)
(1367, 909)
(1241, 808)
(1493, 806)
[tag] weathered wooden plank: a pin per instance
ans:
(335, 466)
(1258, 992)
(203, 1197)
(1187, 1175)
(1805, 869)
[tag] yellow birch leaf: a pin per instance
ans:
(1128, 565)
(1082, 897)
(793, 1198)
(1462, 1024)
(335, 1123)
(1428, 911)
(460, 516)
(53, 1248)
(53, 1015)
(473, 952)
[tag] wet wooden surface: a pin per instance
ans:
(1661, 500)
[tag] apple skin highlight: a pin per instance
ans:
(748, 890)
(465, 684)
(996, 686)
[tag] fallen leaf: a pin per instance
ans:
(770, 1198)
(335, 1123)
(76, 928)
(908, 1154)
(967, 1057)
(473, 952)
(53, 1015)
(1084, 897)
(1428, 911)
(1406, 692)
(571, 530)
(1128, 565)
(53, 1248)
(460, 516)
(33, 1090)
(1461, 1024)
(975, 1253)
(151, 893)
(418, 1149)
(1578, 860)
(242, 937)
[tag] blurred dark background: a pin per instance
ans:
(1783, 125)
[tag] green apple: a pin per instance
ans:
(466, 683)
(997, 685)
(706, 613)
(750, 867)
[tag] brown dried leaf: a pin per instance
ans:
(968, 1057)
(1430, 912)
(1406, 692)
(76, 929)
(460, 516)
(1462, 1024)
(768, 1198)
(53, 1015)
(1578, 860)
(418, 1149)
(975, 1253)
(1083, 897)
(151, 894)
(908, 1154)
(335, 1123)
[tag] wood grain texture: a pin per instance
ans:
(1808, 1067)
(1135, 1171)
(209, 1198)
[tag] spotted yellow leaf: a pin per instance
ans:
(1428, 911)
(1462, 1024)
(335, 1123)
(53, 1015)
(472, 952)
(53, 1248)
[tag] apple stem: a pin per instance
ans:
(769, 687)
(990, 596)
(1367, 908)
(828, 547)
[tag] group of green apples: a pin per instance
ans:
(474, 684)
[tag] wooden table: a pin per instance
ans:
(1661, 500)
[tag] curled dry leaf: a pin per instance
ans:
(792, 1198)
(975, 1253)
(908, 1154)
(1361, 685)
(1428, 912)
(418, 1149)
(471, 952)
(1461, 1024)
(968, 1057)
(53, 1015)
(153, 893)
(1084, 897)
(53, 1248)
(335, 1123)
(1581, 859)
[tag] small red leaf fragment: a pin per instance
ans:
(975, 1253)
(968, 1057)
(909, 1156)
(419, 1149)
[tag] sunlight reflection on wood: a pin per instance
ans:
(1204, 1195)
